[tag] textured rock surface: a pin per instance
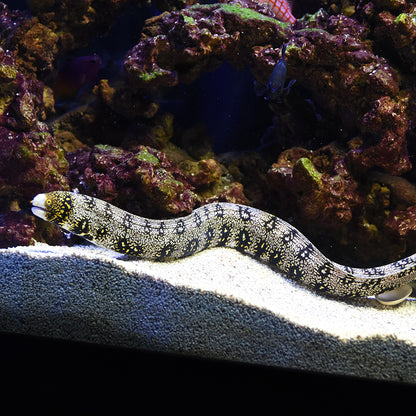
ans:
(30, 160)
(351, 112)
(178, 46)
(138, 180)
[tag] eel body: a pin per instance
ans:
(249, 230)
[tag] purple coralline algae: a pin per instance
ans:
(137, 180)
(29, 163)
(341, 164)
(178, 46)
(30, 160)
(145, 181)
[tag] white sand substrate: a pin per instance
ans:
(218, 304)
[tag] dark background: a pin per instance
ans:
(44, 376)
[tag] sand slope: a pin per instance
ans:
(218, 303)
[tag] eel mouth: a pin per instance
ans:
(38, 206)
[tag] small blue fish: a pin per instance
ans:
(275, 88)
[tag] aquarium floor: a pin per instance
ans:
(217, 304)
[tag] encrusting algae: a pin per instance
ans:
(349, 114)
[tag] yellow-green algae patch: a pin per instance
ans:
(7, 72)
(145, 156)
(148, 76)
(248, 14)
(306, 166)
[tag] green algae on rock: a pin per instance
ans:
(145, 181)
(124, 177)
(177, 47)
(305, 171)
(327, 194)
(328, 55)
(353, 83)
